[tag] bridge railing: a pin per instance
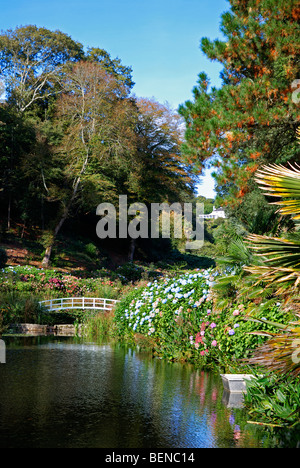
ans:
(62, 303)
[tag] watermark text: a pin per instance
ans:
(159, 219)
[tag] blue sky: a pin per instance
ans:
(159, 39)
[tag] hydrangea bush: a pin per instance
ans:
(240, 330)
(171, 311)
(177, 316)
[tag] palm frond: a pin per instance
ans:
(238, 254)
(284, 281)
(279, 181)
(281, 353)
(280, 269)
(278, 252)
(281, 263)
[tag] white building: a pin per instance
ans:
(216, 213)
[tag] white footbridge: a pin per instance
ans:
(66, 303)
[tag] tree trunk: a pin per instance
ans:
(131, 250)
(47, 255)
(8, 212)
(66, 211)
(23, 230)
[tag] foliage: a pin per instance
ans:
(96, 128)
(99, 327)
(168, 310)
(45, 283)
(279, 271)
(114, 67)
(281, 265)
(256, 216)
(30, 58)
(281, 352)
(282, 255)
(72, 136)
(238, 336)
(17, 309)
(233, 284)
(160, 173)
(208, 203)
(284, 182)
(274, 401)
(251, 119)
(178, 315)
(129, 272)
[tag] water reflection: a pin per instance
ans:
(59, 393)
(233, 400)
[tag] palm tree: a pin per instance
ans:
(232, 274)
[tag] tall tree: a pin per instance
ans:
(251, 119)
(121, 72)
(160, 174)
(30, 57)
(92, 109)
(17, 138)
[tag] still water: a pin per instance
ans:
(59, 392)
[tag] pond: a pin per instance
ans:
(63, 392)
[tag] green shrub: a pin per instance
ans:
(18, 309)
(238, 336)
(129, 273)
(171, 311)
(177, 313)
(91, 250)
(274, 400)
(52, 283)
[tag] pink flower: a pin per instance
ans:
(198, 338)
(236, 312)
(214, 343)
(213, 325)
(202, 353)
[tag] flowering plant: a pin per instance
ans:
(177, 315)
(239, 332)
(171, 311)
(50, 282)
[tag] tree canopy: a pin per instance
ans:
(30, 57)
(73, 135)
(251, 119)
